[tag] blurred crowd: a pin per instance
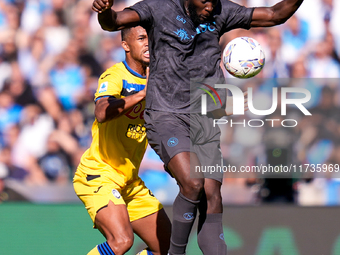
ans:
(53, 51)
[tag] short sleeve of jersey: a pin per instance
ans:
(144, 10)
(235, 16)
(109, 84)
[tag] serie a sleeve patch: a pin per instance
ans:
(103, 87)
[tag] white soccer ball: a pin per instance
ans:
(243, 57)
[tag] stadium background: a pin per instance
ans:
(51, 54)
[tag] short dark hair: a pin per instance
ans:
(125, 32)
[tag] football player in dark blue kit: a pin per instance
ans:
(184, 43)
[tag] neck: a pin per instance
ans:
(136, 66)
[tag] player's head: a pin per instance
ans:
(200, 11)
(135, 44)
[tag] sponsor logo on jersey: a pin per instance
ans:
(202, 28)
(188, 216)
(172, 142)
(130, 89)
(116, 193)
(105, 76)
(136, 112)
(151, 194)
(222, 236)
(96, 191)
(136, 132)
(179, 18)
(132, 86)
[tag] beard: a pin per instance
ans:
(193, 14)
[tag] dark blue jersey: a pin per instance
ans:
(179, 50)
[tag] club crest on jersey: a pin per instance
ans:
(103, 87)
(172, 142)
(116, 193)
(188, 216)
(182, 34)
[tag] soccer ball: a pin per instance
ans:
(243, 57)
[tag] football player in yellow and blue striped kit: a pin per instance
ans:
(106, 179)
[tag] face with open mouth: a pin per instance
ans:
(145, 55)
(138, 46)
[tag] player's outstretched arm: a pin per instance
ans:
(275, 15)
(108, 108)
(111, 20)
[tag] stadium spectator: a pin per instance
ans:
(294, 38)
(3, 176)
(322, 63)
(55, 162)
(276, 63)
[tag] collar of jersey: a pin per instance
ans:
(133, 72)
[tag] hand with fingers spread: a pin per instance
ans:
(101, 5)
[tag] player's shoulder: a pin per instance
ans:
(227, 4)
(154, 1)
(227, 9)
(121, 71)
(113, 72)
(118, 67)
(154, 4)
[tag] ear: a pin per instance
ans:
(125, 46)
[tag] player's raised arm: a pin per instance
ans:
(109, 108)
(111, 20)
(275, 15)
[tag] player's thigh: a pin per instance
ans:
(147, 217)
(103, 200)
(182, 167)
(114, 223)
(169, 135)
(155, 231)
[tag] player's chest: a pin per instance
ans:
(177, 29)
